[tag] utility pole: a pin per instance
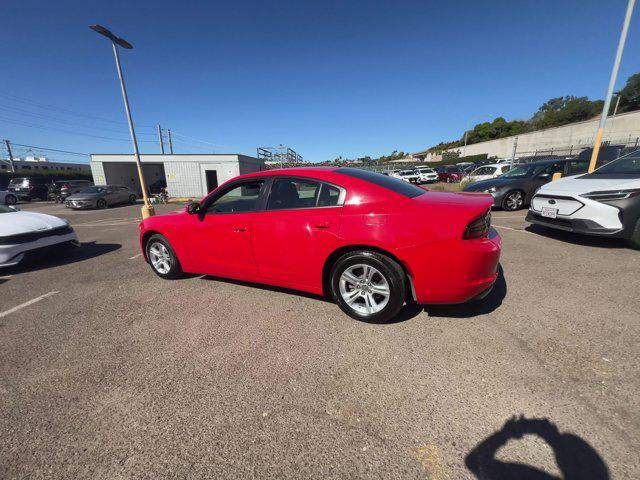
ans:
(13, 167)
(513, 154)
(160, 139)
(464, 149)
(170, 142)
(615, 109)
(612, 83)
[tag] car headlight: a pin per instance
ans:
(491, 190)
(612, 195)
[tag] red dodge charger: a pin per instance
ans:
(370, 241)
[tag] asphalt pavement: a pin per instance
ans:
(108, 372)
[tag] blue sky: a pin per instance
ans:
(327, 78)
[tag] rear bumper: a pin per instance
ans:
(466, 272)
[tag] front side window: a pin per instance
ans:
(241, 198)
(574, 168)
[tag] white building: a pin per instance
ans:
(186, 175)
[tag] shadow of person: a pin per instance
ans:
(576, 459)
(62, 255)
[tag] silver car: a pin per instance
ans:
(101, 196)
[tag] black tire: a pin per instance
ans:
(386, 268)
(10, 200)
(133, 199)
(634, 240)
(101, 203)
(174, 268)
(513, 201)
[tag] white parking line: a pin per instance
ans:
(135, 256)
(26, 304)
(6, 277)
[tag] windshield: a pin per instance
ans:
(627, 165)
(95, 189)
(523, 171)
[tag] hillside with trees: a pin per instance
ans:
(553, 113)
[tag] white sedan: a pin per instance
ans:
(487, 172)
(23, 232)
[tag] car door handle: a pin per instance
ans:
(323, 225)
(240, 229)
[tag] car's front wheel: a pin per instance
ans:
(10, 200)
(513, 201)
(368, 286)
(162, 258)
(132, 199)
(101, 203)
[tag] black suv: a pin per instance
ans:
(27, 188)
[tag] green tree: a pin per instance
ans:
(630, 95)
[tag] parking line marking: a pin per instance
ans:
(26, 304)
(135, 256)
(6, 277)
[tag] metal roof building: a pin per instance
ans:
(186, 175)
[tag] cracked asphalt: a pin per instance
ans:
(120, 374)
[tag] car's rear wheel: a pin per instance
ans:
(634, 241)
(132, 199)
(513, 201)
(10, 200)
(162, 258)
(368, 286)
(101, 203)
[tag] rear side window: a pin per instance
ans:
(390, 183)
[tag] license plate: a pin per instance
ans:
(549, 212)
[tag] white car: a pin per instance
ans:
(487, 172)
(7, 198)
(605, 202)
(408, 176)
(426, 175)
(22, 232)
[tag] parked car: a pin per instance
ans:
(408, 176)
(8, 198)
(450, 174)
(157, 187)
(61, 189)
(605, 202)
(101, 196)
(28, 188)
(24, 232)
(370, 241)
(514, 189)
(426, 175)
(486, 172)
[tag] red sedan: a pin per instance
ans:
(370, 241)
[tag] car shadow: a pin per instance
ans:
(474, 308)
(576, 238)
(62, 256)
(269, 288)
(575, 458)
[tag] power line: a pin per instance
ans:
(192, 138)
(44, 127)
(49, 149)
(64, 121)
(15, 98)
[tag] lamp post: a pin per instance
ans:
(612, 83)
(147, 209)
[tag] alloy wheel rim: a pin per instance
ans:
(514, 200)
(160, 258)
(364, 289)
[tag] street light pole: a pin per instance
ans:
(147, 209)
(612, 83)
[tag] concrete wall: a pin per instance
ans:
(624, 128)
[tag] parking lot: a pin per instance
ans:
(111, 372)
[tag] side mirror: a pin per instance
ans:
(193, 208)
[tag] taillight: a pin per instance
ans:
(478, 228)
